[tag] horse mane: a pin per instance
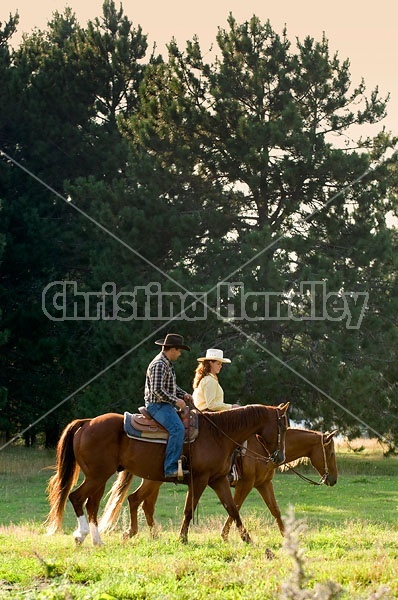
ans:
(306, 430)
(304, 460)
(234, 418)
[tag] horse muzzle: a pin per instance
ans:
(278, 457)
(331, 480)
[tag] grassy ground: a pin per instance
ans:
(350, 538)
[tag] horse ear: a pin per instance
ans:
(329, 436)
(284, 407)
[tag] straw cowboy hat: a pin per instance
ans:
(214, 354)
(173, 340)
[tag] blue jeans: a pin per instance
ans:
(166, 415)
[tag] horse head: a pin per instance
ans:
(330, 468)
(278, 455)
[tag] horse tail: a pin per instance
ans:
(66, 474)
(117, 494)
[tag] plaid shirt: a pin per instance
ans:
(160, 382)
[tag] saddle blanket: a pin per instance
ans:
(156, 436)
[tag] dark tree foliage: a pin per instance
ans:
(62, 98)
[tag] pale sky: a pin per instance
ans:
(366, 33)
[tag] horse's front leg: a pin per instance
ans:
(242, 489)
(266, 490)
(194, 493)
(222, 489)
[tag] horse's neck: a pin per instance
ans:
(299, 443)
(235, 429)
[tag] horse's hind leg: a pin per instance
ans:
(92, 506)
(148, 507)
(91, 493)
(146, 493)
(78, 497)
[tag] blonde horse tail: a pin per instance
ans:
(116, 496)
(66, 474)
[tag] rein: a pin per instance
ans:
(271, 457)
(311, 481)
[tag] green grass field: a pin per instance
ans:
(350, 537)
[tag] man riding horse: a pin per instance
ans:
(163, 397)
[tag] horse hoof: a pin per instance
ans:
(246, 538)
(98, 543)
(269, 555)
(225, 534)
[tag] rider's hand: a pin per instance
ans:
(180, 404)
(188, 399)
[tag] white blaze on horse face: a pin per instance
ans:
(95, 536)
(82, 530)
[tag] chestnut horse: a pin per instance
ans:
(100, 447)
(299, 443)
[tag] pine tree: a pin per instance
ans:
(261, 138)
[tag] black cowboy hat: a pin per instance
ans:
(173, 340)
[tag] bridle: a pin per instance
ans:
(242, 449)
(326, 470)
(282, 427)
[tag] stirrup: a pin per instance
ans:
(233, 476)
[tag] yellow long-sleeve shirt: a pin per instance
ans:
(209, 395)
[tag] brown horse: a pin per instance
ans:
(299, 443)
(99, 447)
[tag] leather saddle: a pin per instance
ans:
(148, 428)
